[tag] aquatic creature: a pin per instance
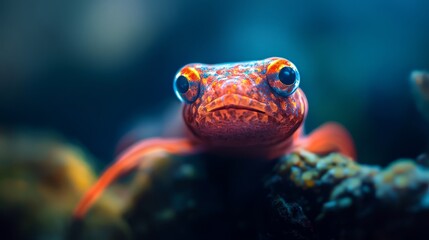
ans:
(252, 109)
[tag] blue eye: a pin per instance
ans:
(284, 81)
(186, 88)
(182, 84)
(287, 75)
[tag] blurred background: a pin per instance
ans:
(93, 70)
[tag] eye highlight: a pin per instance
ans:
(282, 76)
(187, 84)
(182, 84)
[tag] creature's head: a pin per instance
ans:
(242, 104)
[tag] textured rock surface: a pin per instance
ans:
(342, 199)
(199, 197)
(300, 196)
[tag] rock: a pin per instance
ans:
(347, 200)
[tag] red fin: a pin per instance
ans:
(330, 137)
(129, 160)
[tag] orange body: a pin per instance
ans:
(254, 109)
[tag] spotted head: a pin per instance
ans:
(255, 103)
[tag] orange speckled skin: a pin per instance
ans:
(236, 107)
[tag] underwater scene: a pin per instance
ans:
(242, 119)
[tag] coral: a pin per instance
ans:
(41, 179)
(420, 89)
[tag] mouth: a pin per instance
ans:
(236, 101)
(236, 107)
